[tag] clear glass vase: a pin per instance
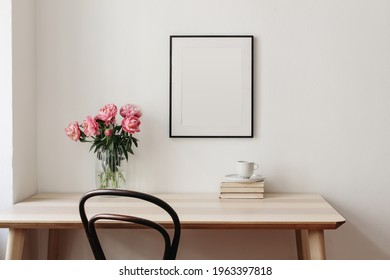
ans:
(110, 169)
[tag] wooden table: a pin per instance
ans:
(307, 214)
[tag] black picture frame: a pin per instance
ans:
(211, 86)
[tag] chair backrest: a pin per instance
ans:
(171, 245)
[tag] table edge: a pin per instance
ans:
(184, 225)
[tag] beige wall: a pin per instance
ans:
(24, 99)
(18, 141)
(5, 112)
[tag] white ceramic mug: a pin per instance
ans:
(245, 169)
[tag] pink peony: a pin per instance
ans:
(73, 131)
(129, 110)
(108, 132)
(131, 124)
(91, 127)
(107, 113)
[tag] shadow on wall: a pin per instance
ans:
(238, 245)
(207, 245)
(353, 243)
(194, 245)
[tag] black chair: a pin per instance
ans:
(171, 247)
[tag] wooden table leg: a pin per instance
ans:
(52, 246)
(316, 244)
(301, 238)
(15, 244)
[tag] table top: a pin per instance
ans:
(195, 210)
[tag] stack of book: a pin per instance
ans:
(242, 189)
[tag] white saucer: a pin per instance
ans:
(236, 178)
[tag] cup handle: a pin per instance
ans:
(255, 166)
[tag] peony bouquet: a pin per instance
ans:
(111, 142)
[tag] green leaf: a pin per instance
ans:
(127, 156)
(135, 140)
(93, 145)
(98, 145)
(129, 142)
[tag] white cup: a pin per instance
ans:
(245, 169)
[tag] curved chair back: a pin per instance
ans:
(171, 246)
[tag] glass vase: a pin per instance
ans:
(110, 169)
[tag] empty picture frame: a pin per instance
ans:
(211, 86)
